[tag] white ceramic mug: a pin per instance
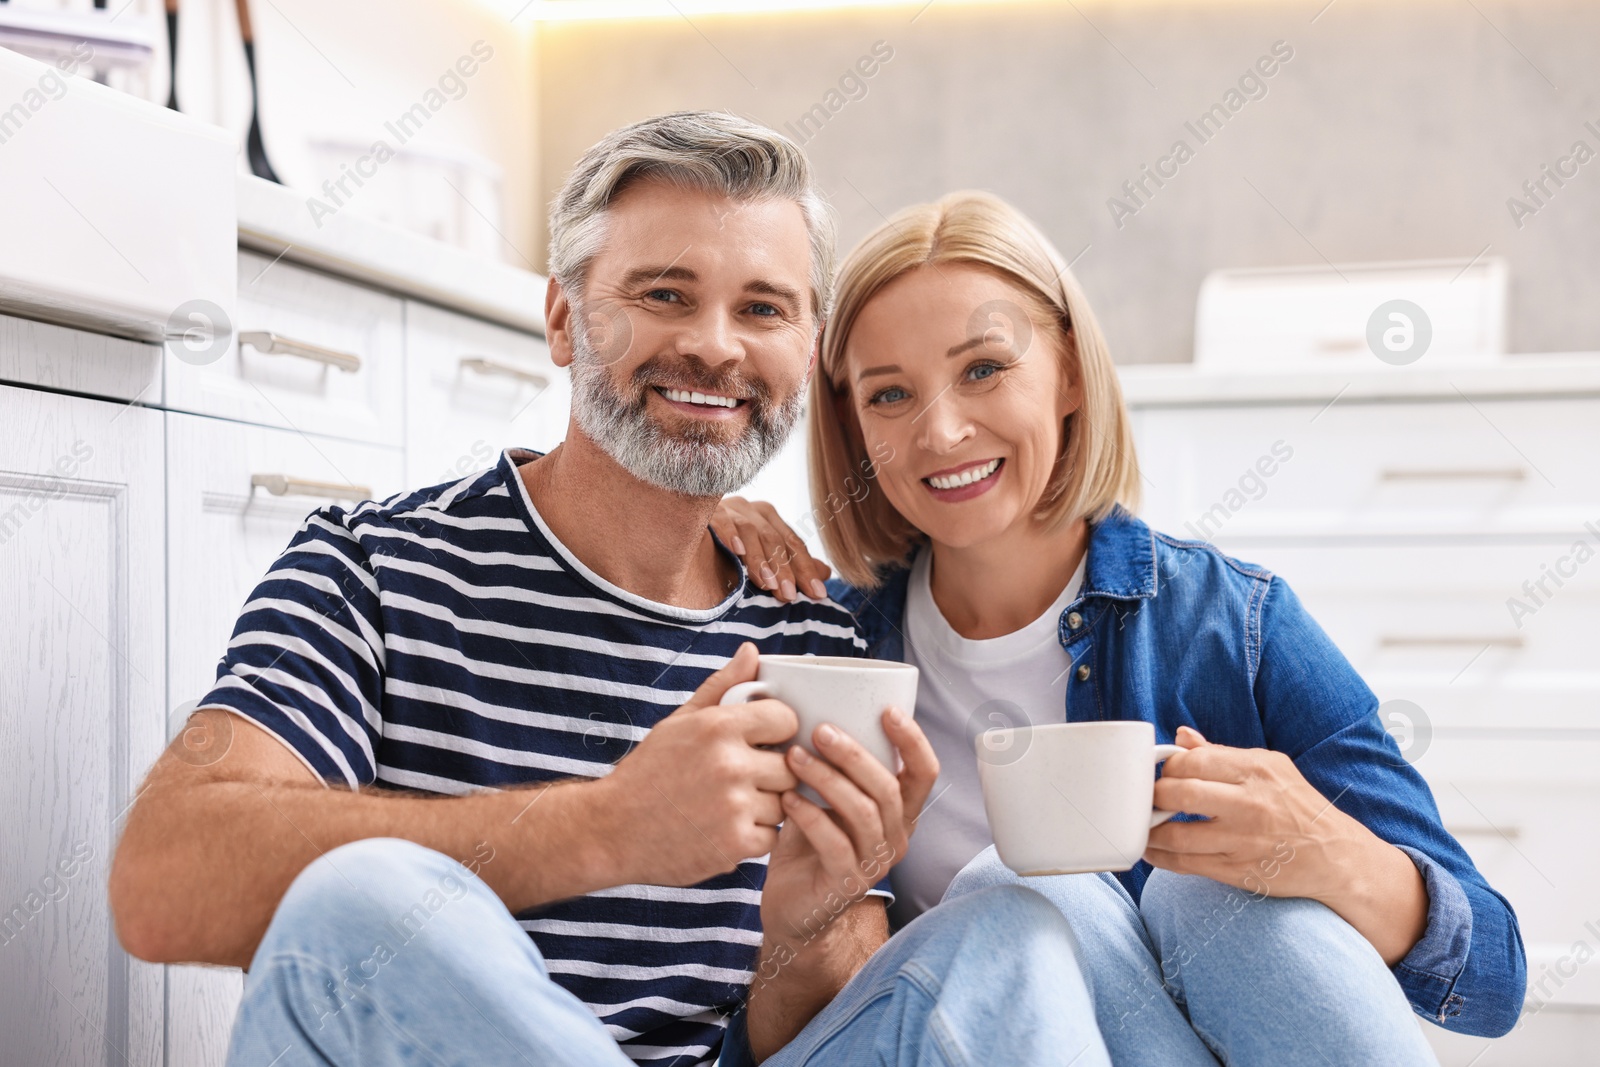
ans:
(1068, 798)
(850, 694)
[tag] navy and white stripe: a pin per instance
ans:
(444, 640)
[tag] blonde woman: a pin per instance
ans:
(973, 478)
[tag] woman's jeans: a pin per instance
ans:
(1198, 972)
(996, 974)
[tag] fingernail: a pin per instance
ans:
(827, 734)
(788, 590)
(791, 800)
(767, 577)
(737, 546)
(897, 716)
(801, 756)
(819, 590)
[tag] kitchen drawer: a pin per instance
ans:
(58, 357)
(1533, 840)
(223, 533)
(221, 538)
(315, 319)
(1430, 624)
(1511, 467)
(472, 389)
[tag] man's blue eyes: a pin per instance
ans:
(669, 296)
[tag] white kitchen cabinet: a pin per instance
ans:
(58, 357)
(310, 352)
(1481, 466)
(222, 535)
(1444, 528)
(472, 389)
(82, 701)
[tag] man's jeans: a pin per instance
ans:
(990, 979)
(994, 975)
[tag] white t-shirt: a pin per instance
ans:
(966, 687)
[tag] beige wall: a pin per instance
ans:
(1396, 131)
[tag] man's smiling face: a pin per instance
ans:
(692, 339)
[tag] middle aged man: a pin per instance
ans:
(541, 647)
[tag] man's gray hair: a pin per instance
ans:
(710, 150)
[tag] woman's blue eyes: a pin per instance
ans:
(978, 372)
(662, 294)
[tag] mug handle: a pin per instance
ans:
(745, 692)
(1157, 816)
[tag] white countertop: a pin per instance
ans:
(1183, 384)
(273, 218)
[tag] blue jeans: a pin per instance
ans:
(961, 986)
(1199, 971)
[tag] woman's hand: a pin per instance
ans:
(773, 553)
(826, 859)
(1271, 833)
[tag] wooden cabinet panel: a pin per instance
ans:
(81, 714)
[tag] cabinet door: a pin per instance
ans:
(472, 389)
(223, 535)
(82, 700)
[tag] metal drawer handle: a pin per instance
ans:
(1451, 641)
(1463, 474)
(485, 365)
(272, 344)
(285, 485)
(1511, 833)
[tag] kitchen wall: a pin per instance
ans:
(1386, 131)
(338, 77)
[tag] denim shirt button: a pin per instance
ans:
(1083, 673)
(1074, 620)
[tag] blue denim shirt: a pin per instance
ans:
(1176, 633)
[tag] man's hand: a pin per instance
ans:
(1270, 832)
(823, 865)
(697, 796)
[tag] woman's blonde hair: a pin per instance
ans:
(1097, 468)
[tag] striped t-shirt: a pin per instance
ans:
(444, 640)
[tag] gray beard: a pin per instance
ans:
(696, 461)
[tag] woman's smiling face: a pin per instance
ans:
(970, 400)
